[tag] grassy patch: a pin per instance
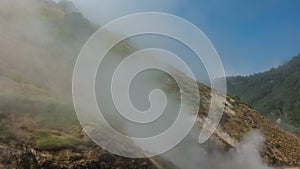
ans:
(45, 140)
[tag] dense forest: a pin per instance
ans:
(274, 93)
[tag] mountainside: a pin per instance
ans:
(44, 133)
(275, 93)
(279, 148)
(39, 42)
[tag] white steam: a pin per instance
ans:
(25, 53)
(191, 155)
(22, 30)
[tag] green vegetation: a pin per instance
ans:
(275, 93)
(45, 140)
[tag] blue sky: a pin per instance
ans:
(250, 35)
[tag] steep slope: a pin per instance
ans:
(39, 42)
(275, 93)
(39, 128)
(31, 138)
(280, 148)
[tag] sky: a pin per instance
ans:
(250, 36)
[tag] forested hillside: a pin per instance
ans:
(275, 93)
